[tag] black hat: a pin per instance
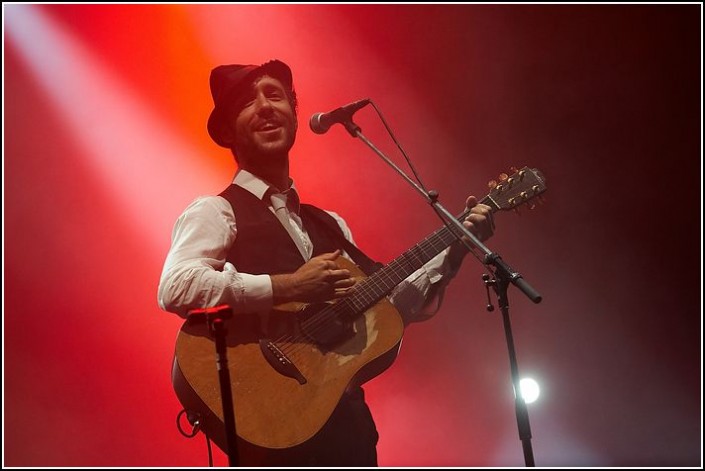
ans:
(228, 81)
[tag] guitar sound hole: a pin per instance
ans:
(322, 325)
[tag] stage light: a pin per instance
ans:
(530, 390)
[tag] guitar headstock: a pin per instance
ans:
(512, 191)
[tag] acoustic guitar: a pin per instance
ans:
(290, 367)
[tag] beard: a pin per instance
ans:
(254, 147)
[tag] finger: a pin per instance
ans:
(485, 212)
(330, 255)
(345, 283)
(475, 218)
(483, 208)
(470, 227)
(341, 293)
(490, 217)
(470, 202)
(331, 265)
(338, 274)
(479, 225)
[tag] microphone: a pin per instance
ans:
(321, 122)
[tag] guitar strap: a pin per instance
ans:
(325, 221)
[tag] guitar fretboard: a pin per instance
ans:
(384, 280)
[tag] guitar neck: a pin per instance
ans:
(384, 280)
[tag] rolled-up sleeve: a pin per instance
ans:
(196, 274)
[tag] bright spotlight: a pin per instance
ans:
(529, 390)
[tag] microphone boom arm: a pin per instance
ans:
(490, 258)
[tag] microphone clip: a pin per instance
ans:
(488, 281)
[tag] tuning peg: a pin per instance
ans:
(513, 169)
(531, 206)
(492, 184)
(503, 176)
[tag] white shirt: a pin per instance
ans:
(196, 274)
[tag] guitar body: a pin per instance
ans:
(274, 410)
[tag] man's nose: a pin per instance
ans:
(263, 104)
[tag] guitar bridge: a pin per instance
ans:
(279, 361)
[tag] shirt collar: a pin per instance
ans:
(259, 187)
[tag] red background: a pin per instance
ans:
(105, 143)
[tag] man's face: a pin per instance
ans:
(263, 120)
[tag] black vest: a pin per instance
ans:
(263, 246)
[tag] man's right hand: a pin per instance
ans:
(318, 280)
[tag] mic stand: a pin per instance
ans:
(503, 273)
(216, 317)
(500, 284)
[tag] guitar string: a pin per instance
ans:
(435, 242)
(370, 291)
(325, 317)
